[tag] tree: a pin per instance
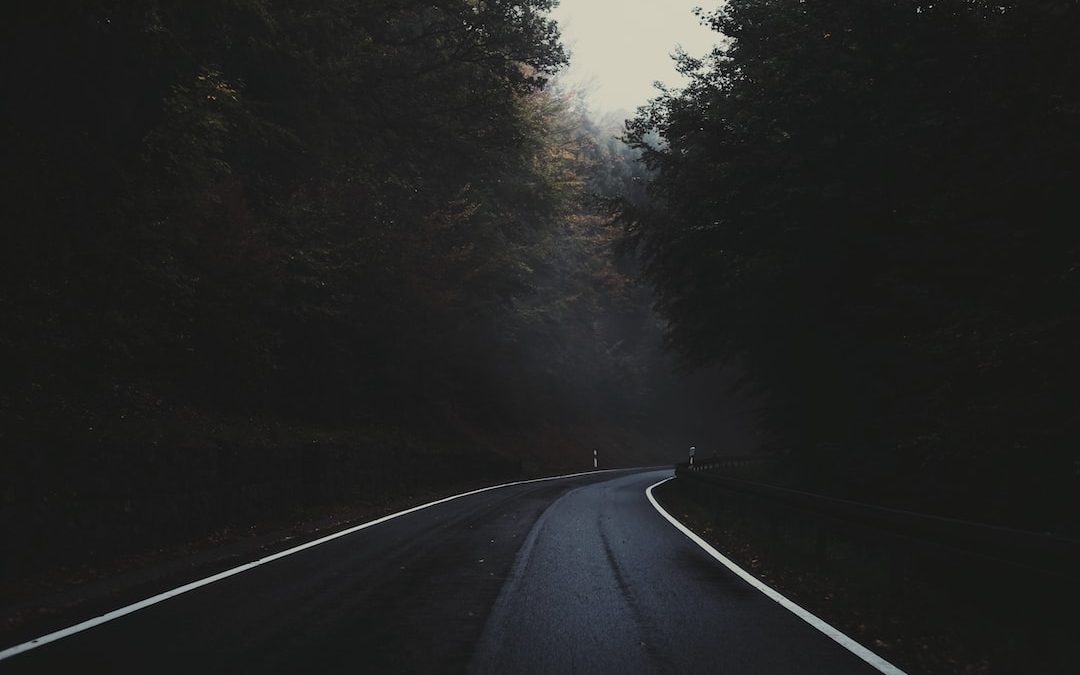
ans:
(869, 203)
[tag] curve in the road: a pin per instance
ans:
(559, 575)
(604, 585)
(832, 632)
(180, 590)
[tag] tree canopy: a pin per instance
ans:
(873, 204)
(251, 189)
(257, 248)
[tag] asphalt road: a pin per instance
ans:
(577, 575)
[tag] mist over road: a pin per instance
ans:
(571, 575)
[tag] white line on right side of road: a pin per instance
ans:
(840, 638)
(162, 597)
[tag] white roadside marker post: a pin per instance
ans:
(594, 459)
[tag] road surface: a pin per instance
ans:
(575, 575)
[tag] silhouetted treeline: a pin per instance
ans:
(260, 253)
(875, 204)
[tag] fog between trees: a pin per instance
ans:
(265, 254)
(284, 250)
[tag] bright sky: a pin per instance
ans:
(618, 48)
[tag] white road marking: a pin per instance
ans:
(162, 597)
(840, 638)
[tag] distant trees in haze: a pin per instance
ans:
(874, 203)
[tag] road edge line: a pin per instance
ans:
(180, 590)
(837, 636)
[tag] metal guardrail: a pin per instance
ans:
(1040, 552)
(731, 462)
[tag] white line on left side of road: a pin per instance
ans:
(180, 590)
(880, 664)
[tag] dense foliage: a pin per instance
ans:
(874, 204)
(260, 252)
(232, 197)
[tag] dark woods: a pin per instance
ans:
(258, 249)
(242, 202)
(259, 254)
(874, 203)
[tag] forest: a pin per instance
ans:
(874, 205)
(260, 255)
